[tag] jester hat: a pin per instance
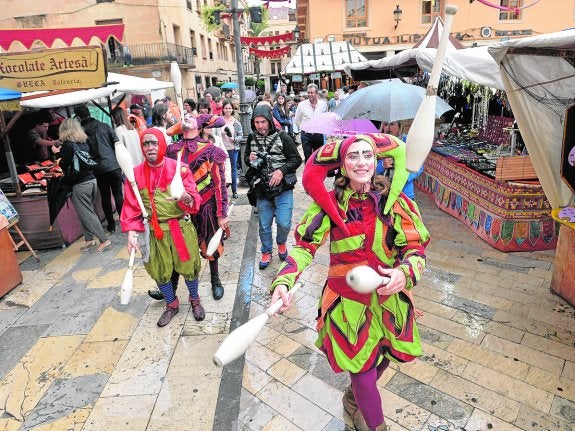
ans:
(162, 146)
(332, 155)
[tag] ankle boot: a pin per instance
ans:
(348, 401)
(217, 288)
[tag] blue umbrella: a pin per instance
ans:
(229, 85)
(388, 101)
(9, 99)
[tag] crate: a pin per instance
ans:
(514, 168)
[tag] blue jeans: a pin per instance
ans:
(280, 207)
(234, 162)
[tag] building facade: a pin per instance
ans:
(155, 33)
(379, 28)
(281, 20)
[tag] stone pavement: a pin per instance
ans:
(499, 348)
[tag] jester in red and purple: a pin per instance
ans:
(206, 161)
(368, 221)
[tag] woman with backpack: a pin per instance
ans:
(83, 183)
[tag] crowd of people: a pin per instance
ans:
(370, 216)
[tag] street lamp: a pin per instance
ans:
(397, 15)
(296, 33)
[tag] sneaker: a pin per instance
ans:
(266, 259)
(282, 251)
(234, 195)
(197, 309)
(104, 246)
(88, 245)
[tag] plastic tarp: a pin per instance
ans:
(540, 86)
(122, 84)
(472, 64)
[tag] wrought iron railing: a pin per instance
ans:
(151, 53)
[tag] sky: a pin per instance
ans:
(286, 3)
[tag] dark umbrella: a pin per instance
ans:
(58, 193)
(214, 91)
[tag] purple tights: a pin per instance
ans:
(367, 395)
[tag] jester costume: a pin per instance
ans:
(206, 162)
(358, 332)
(207, 165)
(173, 240)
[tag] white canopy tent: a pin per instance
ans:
(323, 57)
(538, 74)
(119, 84)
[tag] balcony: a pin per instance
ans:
(150, 54)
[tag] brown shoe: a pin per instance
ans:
(197, 309)
(166, 318)
(348, 401)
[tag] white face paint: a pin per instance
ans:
(360, 165)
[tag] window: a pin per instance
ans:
(193, 42)
(189, 4)
(505, 15)
(210, 49)
(356, 13)
(430, 9)
(203, 46)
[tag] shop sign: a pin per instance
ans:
(53, 69)
(297, 78)
(336, 75)
(362, 39)
(314, 76)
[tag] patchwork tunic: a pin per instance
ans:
(178, 248)
(355, 330)
(206, 162)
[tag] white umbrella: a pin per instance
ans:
(390, 100)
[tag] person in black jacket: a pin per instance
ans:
(83, 185)
(101, 139)
(273, 159)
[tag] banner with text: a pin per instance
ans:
(53, 69)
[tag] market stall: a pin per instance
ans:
(31, 201)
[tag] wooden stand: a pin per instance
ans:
(23, 240)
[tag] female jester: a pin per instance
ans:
(369, 222)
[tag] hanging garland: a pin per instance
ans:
(262, 40)
(507, 8)
(275, 53)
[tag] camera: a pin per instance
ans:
(259, 163)
(228, 131)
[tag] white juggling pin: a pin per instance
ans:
(240, 339)
(420, 135)
(125, 162)
(177, 185)
(364, 279)
(214, 242)
(128, 282)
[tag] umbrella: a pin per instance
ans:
(330, 124)
(390, 100)
(250, 96)
(58, 193)
(229, 85)
(9, 99)
(214, 91)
